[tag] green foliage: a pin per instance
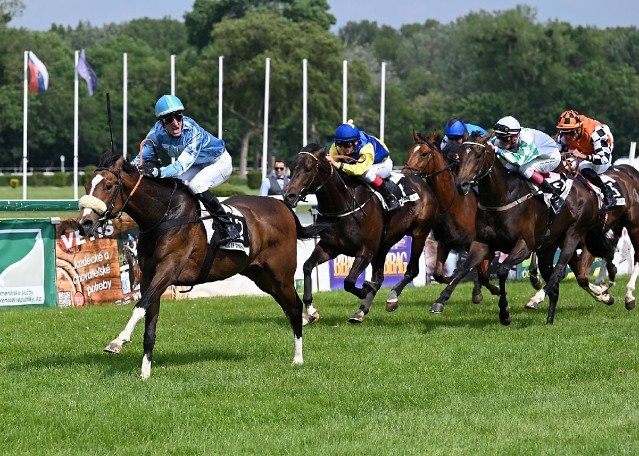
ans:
(254, 179)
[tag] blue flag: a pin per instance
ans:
(87, 73)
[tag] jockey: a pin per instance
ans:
(591, 143)
(455, 131)
(530, 152)
(202, 161)
(361, 155)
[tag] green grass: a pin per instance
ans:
(406, 383)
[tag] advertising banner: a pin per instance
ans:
(27, 262)
(394, 266)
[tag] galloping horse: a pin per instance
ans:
(360, 228)
(456, 228)
(173, 247)
(511, 220)
(617, 218)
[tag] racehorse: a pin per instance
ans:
(173, 247)
(360, 227)
(511, 220)
(616, 219)
(456, 228)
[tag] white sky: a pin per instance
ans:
(40, 14)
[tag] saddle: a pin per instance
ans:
(213, 229)
(405, 195)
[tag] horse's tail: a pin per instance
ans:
(310, 231)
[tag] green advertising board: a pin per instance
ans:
(27, 263)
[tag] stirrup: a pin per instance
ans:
(392, 204)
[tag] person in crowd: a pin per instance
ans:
(591, 143)
(530, 152)
(201, 159)
(276, 182)
(366, 157)
(455, 131)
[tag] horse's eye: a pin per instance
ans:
(108, 187)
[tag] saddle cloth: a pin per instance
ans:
(612, 185)
(236, 216)
(408, 194)
(559, 182)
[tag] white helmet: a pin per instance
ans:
(507, 126)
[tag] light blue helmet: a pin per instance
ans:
(454, 127)
(347, 132)
(168, 104)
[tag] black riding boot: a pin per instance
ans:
(214, 207)
(389, 189)
(592, 176)
(555, 197)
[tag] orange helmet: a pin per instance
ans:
(569, 120)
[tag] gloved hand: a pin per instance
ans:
(147, 169)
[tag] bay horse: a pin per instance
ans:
(511, 220)
(616, 219)
(456, 227)
(173, 247)
(360, 227)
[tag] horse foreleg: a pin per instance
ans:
(115, 346)
(476, 254)
(545, 258)
(504, 314)
(571, 241)
(442, 256)
(318, 256)
(359, 265)
(533, 271)
(412, 269)
(375, 283)
(630, 288)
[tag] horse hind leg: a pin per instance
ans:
(373, 287)
(630, 288)
(412, 269)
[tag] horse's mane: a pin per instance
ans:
(109, 158)
(313, 147)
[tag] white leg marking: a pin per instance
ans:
(298, 359)
(146, 367)
(125, 335)
(536, 299)
(630, 288)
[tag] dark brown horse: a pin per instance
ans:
(360, 227)
(512, 221)
(455, 229)
(617, 218)
(172, 245)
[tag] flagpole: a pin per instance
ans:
(267, 83)
(125, 107)
(75, 126)
(24, 126)
(220, 80)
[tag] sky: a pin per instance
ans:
(40, 14)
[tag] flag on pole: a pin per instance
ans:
(87, 73)
(38, 74)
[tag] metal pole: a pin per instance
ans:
(344, 90)
(124, 102)
(267, 77)
(382, 106)
(75, 126)
(304, 102)
(25, 117)
(220, 79)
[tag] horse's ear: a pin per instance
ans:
(322, 152)
(465, 136)
(484, 139)
(433, 137)
(416, 136)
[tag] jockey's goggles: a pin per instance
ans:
(345, 144)
(168, 119)
(505, 138)
(455, 137)
(570, 133)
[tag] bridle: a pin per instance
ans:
(479, 175)
(304, 191)
(422, 171)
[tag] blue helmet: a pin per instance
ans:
(168, 104)
(347, 132)
(455, 127)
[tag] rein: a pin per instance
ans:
(304, 189)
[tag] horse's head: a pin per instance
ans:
(309, 172)
(476, 160)
(421, 155)
(104, 199)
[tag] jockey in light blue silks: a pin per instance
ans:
(201, 159)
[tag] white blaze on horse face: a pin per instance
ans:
(94, 183)
(416, 149)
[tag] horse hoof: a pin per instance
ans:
(113, 348)
(611, 301)
(531, 305)
(478, 298)
(437, 308)
(356, 318)
(310, 319)
(506, 320)
(630, 304)
(392, 306)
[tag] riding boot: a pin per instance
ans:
(389, 189)
(215, 208)
(609, 197)
(555, 197)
